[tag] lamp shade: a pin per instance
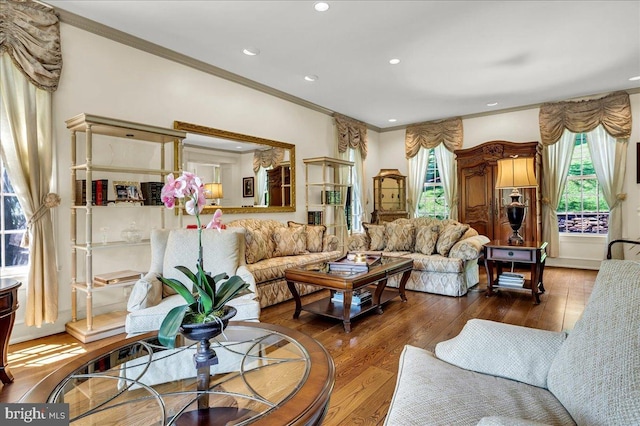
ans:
(516, 172)
(213, 190)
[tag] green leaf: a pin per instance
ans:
(230, 289)
(170, 326)
(179, 288)
(205, 299)
(188, 273)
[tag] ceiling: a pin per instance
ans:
(455, 56)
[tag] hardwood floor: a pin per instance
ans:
(367, 358)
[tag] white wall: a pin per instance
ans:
(103, 77)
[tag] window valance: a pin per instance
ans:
(351, 134)
(267, 158)
(431, 134)
(612, 111)
(30, 34)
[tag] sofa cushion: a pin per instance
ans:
(426, 239)
(273, 269)
(258, 244)
(314, 233)
(432, 392)
(146, 292)
(220, 250)
(399, 237)
(596, 374)
(505, 350)
(289, 241)
(377, 238)
(450, 235)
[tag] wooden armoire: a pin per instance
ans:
(481, 205)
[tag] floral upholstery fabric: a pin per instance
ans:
(426, 238)
(289, 241)
(400, 237)
(314, 234)
(376, 235)
(450, 235)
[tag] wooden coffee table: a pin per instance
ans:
(347, 282)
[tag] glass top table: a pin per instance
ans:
(266, 374)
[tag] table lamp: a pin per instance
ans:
(213, 191)
(514, 172)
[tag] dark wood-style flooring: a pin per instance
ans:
(366, 359)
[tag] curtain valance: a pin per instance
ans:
(268, 157)
(612, 111)
(351, 134)
(30, 34)
(433, 133)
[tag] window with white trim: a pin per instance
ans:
(582, 208)
(13, 223)
(432, 201)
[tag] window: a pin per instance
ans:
(432, 202)
(12, 228)
(582, 208)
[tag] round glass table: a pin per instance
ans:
(264, 374)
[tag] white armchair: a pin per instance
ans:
(223, 251)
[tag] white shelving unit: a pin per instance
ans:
(325, 194)
(92, 327)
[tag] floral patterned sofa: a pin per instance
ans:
(271, 247)
(445, 252)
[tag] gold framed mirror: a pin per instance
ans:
(231, 161)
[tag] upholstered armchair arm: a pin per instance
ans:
(247, 276)
(469, 248)
(508, 421)
(510, 351)
(330, 242)
(358, 242)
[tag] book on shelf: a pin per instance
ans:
(151, 193)
(116, 277)
(357, 299)
(511, 280)
(99, 190)
(314, 218)
(346, 264)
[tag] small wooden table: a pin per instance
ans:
(497, 252)
(8, 308)
(346, 282)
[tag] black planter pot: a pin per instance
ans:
(202, 332)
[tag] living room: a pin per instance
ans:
(105, 77)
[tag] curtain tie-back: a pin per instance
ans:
(50, 200)
(622, 196)
(545, 201)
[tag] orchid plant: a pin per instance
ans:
(205, 303)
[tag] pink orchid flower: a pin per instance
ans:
(216, 222)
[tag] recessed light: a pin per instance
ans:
(251, 51)
(394, 61)
(238, 147)
(492, 104)
(321, 6)
(636, 78)
(392, 120)
(311, 77)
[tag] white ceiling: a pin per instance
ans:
(456, 56)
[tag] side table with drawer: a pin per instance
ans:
(497, 253)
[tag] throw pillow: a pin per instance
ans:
(426, 239)
(144, 294)
(399, 237)
(289, 241)
(258, 245)
(449, 236)
(377, 239)
(315, 235)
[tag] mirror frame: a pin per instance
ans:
(224, 134)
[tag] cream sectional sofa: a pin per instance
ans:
(501, 374)
(445, 252)
(272, 247)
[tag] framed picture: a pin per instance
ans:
(127, 191)
(247, 187)
(638, 162)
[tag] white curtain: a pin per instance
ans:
(556, 160)
(357, 191)
(415, 179)
(609, 156)
(27, 151)
(260, 187)
(446, 162)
